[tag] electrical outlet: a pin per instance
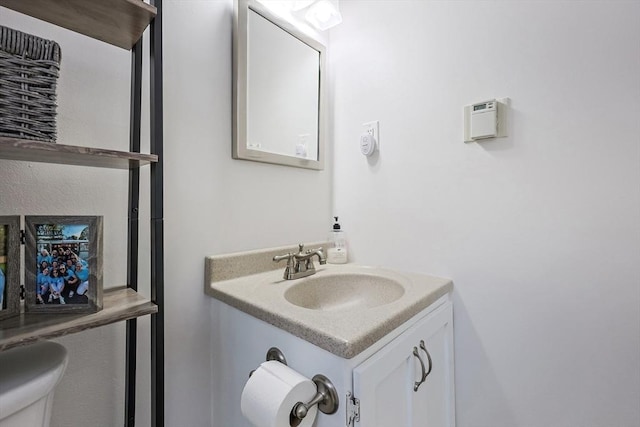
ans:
(373, 129)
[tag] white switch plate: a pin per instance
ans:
(373, 128)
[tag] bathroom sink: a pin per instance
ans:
(342, 308)
(344, 292)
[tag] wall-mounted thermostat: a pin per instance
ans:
(484, 120)
(487, 119)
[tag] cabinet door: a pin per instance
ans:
(385, 382)
(434, 400)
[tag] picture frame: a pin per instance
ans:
(63, 264)
(9, 266)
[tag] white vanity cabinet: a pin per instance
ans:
(409, 382)
(381, 377)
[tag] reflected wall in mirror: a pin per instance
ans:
(278, 90)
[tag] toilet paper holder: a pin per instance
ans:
(326, 394)
(326, 398)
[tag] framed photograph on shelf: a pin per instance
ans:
(63, 264)
(9, 266)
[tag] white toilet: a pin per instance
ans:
(28, 376)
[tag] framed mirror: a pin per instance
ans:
(278, 85)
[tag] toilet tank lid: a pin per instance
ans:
(29, 373)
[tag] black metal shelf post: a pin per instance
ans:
(133, 231)
(157, 224)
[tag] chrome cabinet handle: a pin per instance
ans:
(424, 348)
(425, 372)
(416, 385)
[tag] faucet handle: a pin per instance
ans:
(300, 247)
(288, 257)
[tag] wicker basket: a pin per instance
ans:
(29, 68)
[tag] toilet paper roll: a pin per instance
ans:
(271, 393)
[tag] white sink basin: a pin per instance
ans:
(345, 291)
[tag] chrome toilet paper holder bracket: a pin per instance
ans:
(326, 395)
(273, 353)
(326, 398)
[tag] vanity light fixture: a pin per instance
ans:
(301, 4)
(322, 14)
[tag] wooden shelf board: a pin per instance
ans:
(118, 304)
(117, 22)
(47, 152)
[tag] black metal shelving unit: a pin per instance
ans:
(121, 23)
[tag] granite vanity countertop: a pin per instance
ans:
(344, 333)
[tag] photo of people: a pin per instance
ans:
(4, 249)
(62, 263)
(9, 266)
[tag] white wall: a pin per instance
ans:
(540, 230)
(213, 204)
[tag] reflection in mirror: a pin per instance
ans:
(283, 82)
(278, 84)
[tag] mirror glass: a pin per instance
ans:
(278, 84)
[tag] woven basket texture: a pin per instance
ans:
(29, 68)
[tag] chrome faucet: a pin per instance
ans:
(300, 264)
